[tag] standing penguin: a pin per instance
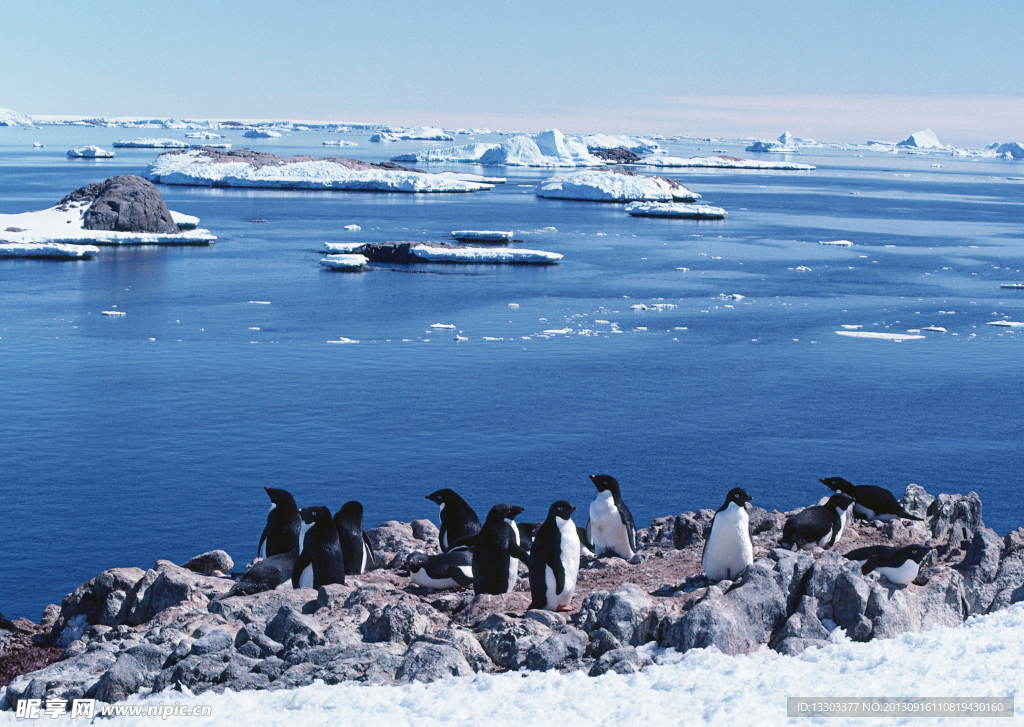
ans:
(728, 550)
(555, 559)
(898, 565)
(355, 545)
(818, 525)
(281, 533)
(611, 528)
(873, 502)
(321, 561)
(458, 520)
(495, 549)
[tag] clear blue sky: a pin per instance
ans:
(834, 70)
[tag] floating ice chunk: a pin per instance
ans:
(670, 209)
(731, 296)
(151, 143)
(338, 142)
(606, 142)
(513, 306)
(935, 329)
(183, 221)
(614, 186)
(879, 335)
(89, 152)
(721, 162)
(1006, 324)
(54, 251)
(549, 148)
(38, 145)
(836, 243)
(495, 236)
(342, 339)
(511, 255)
(352, 228)
(262, 134)
(557, 332)
(340, 248)
(450, 326)
(802, 269)
(763, 145)
(851, 326)
(416, 133)
(925, 139)
(683, 270)
(344, 262)
(203, 135)
(259, 302)
(114, 313)
(1012, 286)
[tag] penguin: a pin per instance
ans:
(266, 574)
(281, 533)
(355, 546)
(321, 561)
(818, 525)
(611, 528)
(495, 550)
(727, 549)
(445, 570)
(458, 519)
(899, 565)
(873, 503)
(555, 560)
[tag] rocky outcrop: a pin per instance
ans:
(617, 155)
(172, 627)
(126, 203)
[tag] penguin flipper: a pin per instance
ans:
(517, 551)
(260, 552)
(463, 543)
(301, 564)
(627, 520)
(555, 563)
(371, 556)
(456, 574)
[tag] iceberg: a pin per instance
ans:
(1006, 324)
(344, 262)
(493, 236)
(51, 250)
(206, 167)
(89, 152)
(549, 148)
(615, 186)
(924, 139)
(151, 144)
(262, 134)
(38, 145)
(338, 142)
(607, 142)
(203, 135)
(720, 161)
(670, 209)
(10, 117)
(1010, 150)
(777, 147)
(417, 133)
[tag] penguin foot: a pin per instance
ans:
(565, 609)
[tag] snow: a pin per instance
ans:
(47, 250)
(671, 209)
(924, 139)
(724, 162)
(549, 148)
(483, 235)
(510, 255)
(183, 221)
(344, 262)
(151, 143)
(699, 687)
(54, 225)
(879, 335)
(262, 134)
(635, 144)
(193, 167)
(335, 248)
(89, 152)
(10, 117)
(605, 186)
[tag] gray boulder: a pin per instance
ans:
(125, 203)
(625, 660)
(623, 613)
(563, 650)
(212, 642)
(294, 630)
(212, 562)
(428, 659)
(124, 678)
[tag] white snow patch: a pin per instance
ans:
(604, 186)
(880, 336)
(54, 225)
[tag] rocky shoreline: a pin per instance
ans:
(130, 630)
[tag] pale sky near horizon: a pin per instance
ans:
(842, 71)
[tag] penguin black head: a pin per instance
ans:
(606, 483)
(441, 496)
(415, 561)
(314, 514)
(504, 512)
(738, 496)
(561, 509)
(838, 484)
(916, 553)
(840, 501)
(281, 498)
(351, 511)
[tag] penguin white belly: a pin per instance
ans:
(362, 565)
(728, 550)
(421, 578)
(902, 576)
(513, 563)
(865, 511)
(306, 577)
(843, 515)
(607, 532)
(570, 558)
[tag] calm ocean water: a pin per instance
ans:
(118, 449)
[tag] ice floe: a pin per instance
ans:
(549, 148)
(52, 251)
(113, 313)
(262, 134)
(673, 209)
(880, 335)
(614, 186)
(346, 262)
(492, 236)
(836, 243)
(338, 142)
(1006, 324)
(509, 255)
(203, 135)
(247, 168)
(1012, 286)
(89, 152)
(721, 161)
(150, 143)
(606, 142)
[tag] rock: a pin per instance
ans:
(428, 659)
(618, 155)
(601, 641)
(425, 530)
(256, 643)
(123, 679)
(99, 601)
(396, 622)
(1008, 587)
(801, 630)
(237, 668)
(507, 641)
(916, 500)
(468, 646)
(559, 651)
(690, 529)
(260, 607)
(625, 660)
(69, 678)
(167, 585)
(197, 673)
(212, 642)
(623, 613)
(212, 562)
(293, 629)
(125, 203)
(150, 656)
(953, 521)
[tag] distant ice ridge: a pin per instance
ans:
(262, 134)
(701, 687)
(246, 168)
(56, 225)
(635, 144)
(89, 152)
(416, 133)
(10, 117)
(925, 139)
(151, 144)
(725, 162)
(609, 186)
(783, 145)
(1009, 150)
(203, 135)
(338, 142)
(549, 148)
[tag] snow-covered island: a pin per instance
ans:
(151, 143)
(549, 148)
(676, 210)
(123, 210)
(720, 161)
(614, 185)
(207, 167)
(89, 152)
(417, 133)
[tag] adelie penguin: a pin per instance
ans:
(899, 565)
(555, 560)
(818, 525)
(611, 529)
(458, 520)
(873, 502)
(444, 570)
(728, 550)
(321, 561)
(495, 551)
(355, 546)
(281, 533)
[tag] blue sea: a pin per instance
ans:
(124, 440)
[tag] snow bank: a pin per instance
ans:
(723, 162)
(670, 209)
(700, 687)
(606, 186)
(56, 251)
(55, 225)
(508, 255)
(497, 236)
(344, 262)
(245, 168)
(262, 134)
(604, 142)
(89, 152)
(924, 139)
(549, 148)
(879, 335)
(151, 144)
